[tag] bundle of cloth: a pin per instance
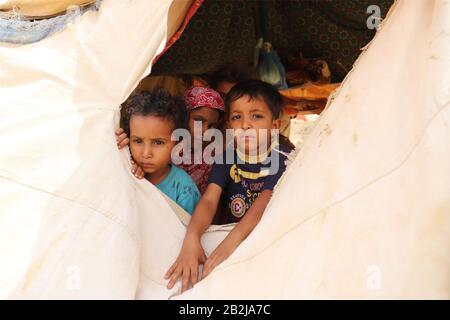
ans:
(38, 9)
(23, 22)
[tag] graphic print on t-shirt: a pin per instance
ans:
(243, 182)
(237, 205)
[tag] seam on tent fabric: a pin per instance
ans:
(103, 213)
(151, 279)
(337, 202)
(174, 294)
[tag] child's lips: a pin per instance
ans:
(248, 140)
(246, 137)
(147, 165)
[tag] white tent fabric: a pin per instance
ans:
(69, 207)
(362, 212)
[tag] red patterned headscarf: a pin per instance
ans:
(203, 97)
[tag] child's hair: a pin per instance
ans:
(157, 103)
(257, 89)
(233, 73)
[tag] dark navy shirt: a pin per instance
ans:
(243, 180)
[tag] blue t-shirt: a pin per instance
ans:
(180, 187)
(244, 179)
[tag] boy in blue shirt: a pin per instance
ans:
(149, 119)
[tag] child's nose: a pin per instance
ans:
(147, 152)
(246, 124)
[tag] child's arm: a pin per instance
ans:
(192, 254)
(239, 232)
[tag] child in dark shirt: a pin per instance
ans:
(253, 110)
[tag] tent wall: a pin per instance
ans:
(224, 31)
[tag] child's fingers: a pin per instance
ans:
(119, 131)
(185, 280)
(122, 140)
(205, 273)
(133, 167)
(124, 143)
(136, 170)
(212, 262)
(175, 275)
(121, 137)
(171, 269)
(139, 172)
(206, 269)
(194, 275)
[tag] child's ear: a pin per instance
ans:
(276, 124)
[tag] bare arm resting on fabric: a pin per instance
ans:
(192, 253)
(239, 233)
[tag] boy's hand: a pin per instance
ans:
(122, 141)
(121, 138)
(239, 233)
(220, 254)
(186, 265)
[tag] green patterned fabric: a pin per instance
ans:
(223, 31)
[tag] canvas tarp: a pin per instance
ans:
(362, 212)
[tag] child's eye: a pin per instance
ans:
(158, 142)
(258, 116)
(137, 141)
(235, 117)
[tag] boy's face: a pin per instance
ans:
(208, 117)
(150, 142)
(254, 118)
